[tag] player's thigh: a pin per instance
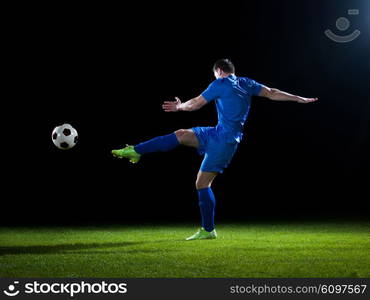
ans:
(204, 179)
(187, 137)
(218, 156)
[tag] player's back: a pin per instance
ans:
(233, 97)
(233, 102)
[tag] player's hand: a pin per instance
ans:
(172, 106)
(306, 100)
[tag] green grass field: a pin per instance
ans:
(311, 249)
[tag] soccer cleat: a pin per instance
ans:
(127, 152)
(203, 234)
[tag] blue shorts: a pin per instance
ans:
(217, 152)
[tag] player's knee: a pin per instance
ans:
(202, 184)
(181, 135)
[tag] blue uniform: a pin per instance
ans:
(233, 98)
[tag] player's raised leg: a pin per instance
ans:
(187, 137)
(161, 143)
(207, 204)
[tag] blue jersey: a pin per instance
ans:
(233, 99)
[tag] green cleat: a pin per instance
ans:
(127, 152)
(203, 234)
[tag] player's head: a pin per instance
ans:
(223, 68)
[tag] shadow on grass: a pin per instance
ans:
(73, 248)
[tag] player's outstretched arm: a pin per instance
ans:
(275, 94)
(193, 104)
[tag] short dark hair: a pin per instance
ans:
(225, 65)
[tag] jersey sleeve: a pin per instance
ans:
(213, 91)
(253, 87)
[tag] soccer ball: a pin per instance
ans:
(64, 136)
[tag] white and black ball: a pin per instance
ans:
(64, 136)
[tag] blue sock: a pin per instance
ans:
(160, 143)
(207, 203)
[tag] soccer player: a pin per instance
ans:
(232, 95)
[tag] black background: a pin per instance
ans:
(107, 69)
